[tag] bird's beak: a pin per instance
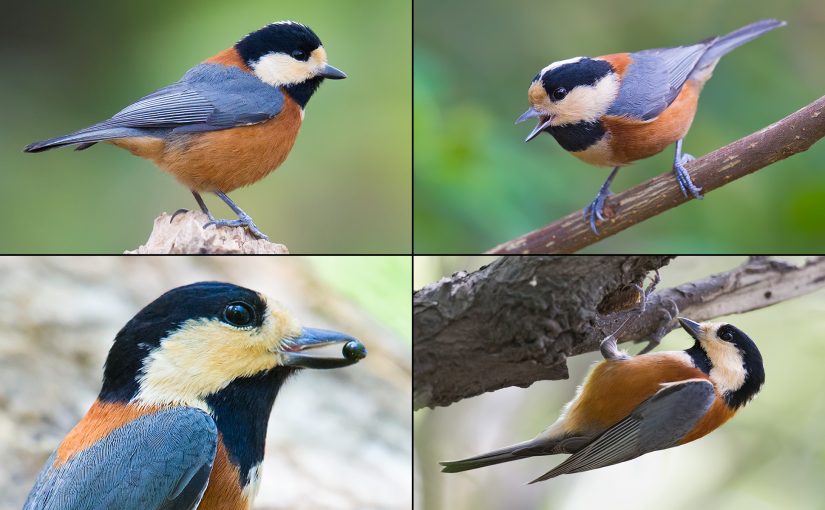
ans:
(333, 73)
(694, 329)
(529, 114)
(544, 122)
(320, 348)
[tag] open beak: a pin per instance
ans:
(544, 122)
(694, 329)
(333, 73)
(320, 348)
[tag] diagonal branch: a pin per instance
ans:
(517, 320)
(791, 135)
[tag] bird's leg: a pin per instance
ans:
(243, 219)
(200, 203)
(595, 210)
(682, 176)
(608, 346)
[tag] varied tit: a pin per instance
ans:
(615, 109)
(630, 406)
(228, 122)
(181, 420)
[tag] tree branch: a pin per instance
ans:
(791, 135)
(517, 320)
(187, 235)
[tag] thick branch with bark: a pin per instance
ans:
(791, 135)
(517, 320)
(186, 235)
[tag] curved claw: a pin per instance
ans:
(685, 184)
(595, 211)
(179, 211)
(687, 158)
(243, 221)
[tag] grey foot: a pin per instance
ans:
(242, 221)
(683, 178)
(595, 211)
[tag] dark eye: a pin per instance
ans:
(239, 314)
(299, 55)
(559, 94)
(726, 335)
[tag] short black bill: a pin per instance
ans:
(332, 73)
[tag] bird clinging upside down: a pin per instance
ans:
(181, 419)
(630, 406)
(228, 122)
(615, 109)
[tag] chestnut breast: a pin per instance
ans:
(223, 160)
(224, 489)
(630, 139)
(616, 387)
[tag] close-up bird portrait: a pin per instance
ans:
(218, 97)
(687, 124)
(212, 395)
(524, 371)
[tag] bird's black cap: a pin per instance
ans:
(283, 37)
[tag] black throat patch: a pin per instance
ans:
(301, 92)
(241, 412)
(577, 137)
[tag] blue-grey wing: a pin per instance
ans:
(160, 461)
(208, 97)
(654, 79)
(657, 423)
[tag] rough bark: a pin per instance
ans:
(517, 320)
(186, 235)
(791, 135)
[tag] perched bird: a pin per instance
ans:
(181, 419)
(615, 109)
(630, 406)
(228, 122)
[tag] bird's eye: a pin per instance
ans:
(299, 55)
(239, 314)
(559, 94)
(726, 335)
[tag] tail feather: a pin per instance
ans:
(85, 137)
(727, 43)
(532, 448)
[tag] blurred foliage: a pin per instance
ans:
(768, 456)
(345, 187)
(373, 282)
(477, 184)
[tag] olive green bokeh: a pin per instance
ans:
(477, 184)
(345, 187)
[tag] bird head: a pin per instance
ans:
(570, 91)
(287, 53)
(729, 357)
(194, 341)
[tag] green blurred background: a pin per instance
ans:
(345, 187)
(769, 456)
(478, 184)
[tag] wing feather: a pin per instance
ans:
(657, 423)
(160, 461)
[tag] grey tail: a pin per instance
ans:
(726, 43)
(85, 138)
(506, 454)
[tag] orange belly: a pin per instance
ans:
(223, 160)
(615, 388)
(631, 140)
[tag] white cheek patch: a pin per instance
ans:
(279, 69)
(585, 103)
(728, 372)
